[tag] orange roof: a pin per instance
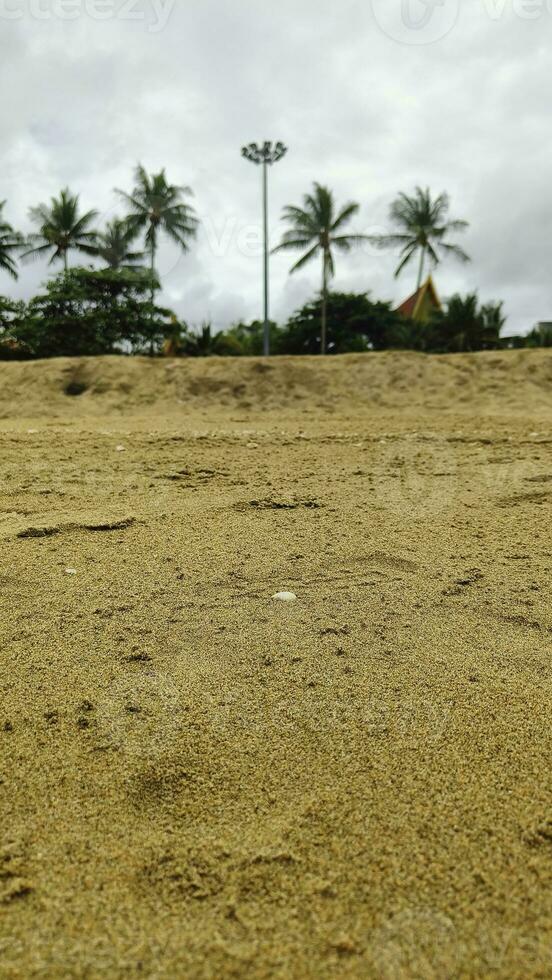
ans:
(418, 302)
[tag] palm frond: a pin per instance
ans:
(345, 215)
(409, 254)
(290, 241)
(346, 242)
(456, 251)
(305, 259)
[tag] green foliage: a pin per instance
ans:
(205, 343)
(249, 337)
(354, 323)
(61, 228)
(85, 312)
(422, 227)
(10, 312)
(115, 246)
(466, 326)
(409, 335)
(462, 327)
(11, 316)
(11, 243)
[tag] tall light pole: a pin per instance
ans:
(267, 154)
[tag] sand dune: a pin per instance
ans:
(199, 781)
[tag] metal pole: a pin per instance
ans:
(267, 154)
(266, 273)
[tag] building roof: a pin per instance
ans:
(421, 303)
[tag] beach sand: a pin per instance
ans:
(199, 781)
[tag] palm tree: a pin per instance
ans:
(10, 243)
(316, 227)
(467, 326)
(423, 227)
(62, 228)
(114, 246)
(155, 206)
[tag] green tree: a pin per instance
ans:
(61, 228)
(156, 206)
(92, 312)
(318, 228)
(11, 243)
(115, 246)
(422, 229)
(354, 323)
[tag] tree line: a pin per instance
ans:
(112, 309)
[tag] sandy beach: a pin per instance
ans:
(199, 781)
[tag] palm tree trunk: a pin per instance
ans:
(324, 331)
(421, 270)
(65, 260)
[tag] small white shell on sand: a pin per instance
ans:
(285, 597)
(70, 571)
(120, 449)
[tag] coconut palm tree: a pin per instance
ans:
(114, 246)
(317, 227)
(61, 228)
(156, 206)
(10, 244)
(422, 227)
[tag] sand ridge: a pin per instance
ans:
(490, 381)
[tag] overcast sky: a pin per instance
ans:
(371, 97)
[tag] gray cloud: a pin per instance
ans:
(368, 113)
